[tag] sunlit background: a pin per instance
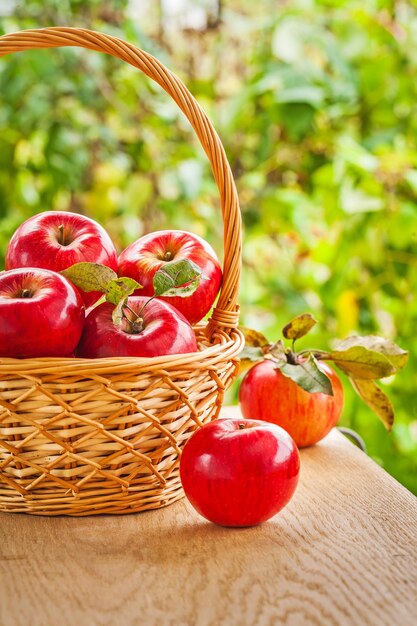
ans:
(315, 103)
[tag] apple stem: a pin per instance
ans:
(126, 306)
(136, 324)
(61, 234)
(168, 256)
(146, 304)
(291, 357)
(26, 293)
(241, 426)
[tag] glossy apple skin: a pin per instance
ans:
(238, 472)
(145, 256)
(36, 243)
(165, 332)
(266, 394)
(49, 322)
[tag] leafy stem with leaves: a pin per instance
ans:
(176, 278)
(363, 359)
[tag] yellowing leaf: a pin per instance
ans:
(369, 357)
(248, 357)
(376, 399)
(89, 276)
(253, 337)
(118, 289)
(255, 347)
(299, 326)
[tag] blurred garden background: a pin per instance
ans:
(315, 103)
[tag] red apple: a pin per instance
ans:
(162, 330)
(266, 394)
(55, 240)
(238, 472)
(41, 314)
(145, 256)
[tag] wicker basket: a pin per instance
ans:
(82, 437)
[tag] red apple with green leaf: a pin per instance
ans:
(129, 325)
(162, 330)
(41, 314)
(267, 394)
(300, 392)
(56, 240)
(141, 259)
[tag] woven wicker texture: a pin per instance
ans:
(81, 437)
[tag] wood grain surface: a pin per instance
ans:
(343, 552)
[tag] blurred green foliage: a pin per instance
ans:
(314, 102)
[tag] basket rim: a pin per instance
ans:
(225, 315)
(227, 347)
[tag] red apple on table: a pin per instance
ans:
(238, 472)
(41, 314)
(145, 331)
(55, 240)
(300, 392)
(267, 394)
(141, 259)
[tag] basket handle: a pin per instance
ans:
(226, 314)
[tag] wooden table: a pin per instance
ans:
(343, 552)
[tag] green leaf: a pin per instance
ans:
(101, 300)
(117, 313)
(253, 337)
(254, 350)
(376, 399)
(177, 278)
(369, 357)
(134, 321)
(299, 326)
(118, 289)
(252, 353)
(89, 276)
(308, 376)
(248, 357)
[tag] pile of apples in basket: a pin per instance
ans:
(60, 265)
(66, 293)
